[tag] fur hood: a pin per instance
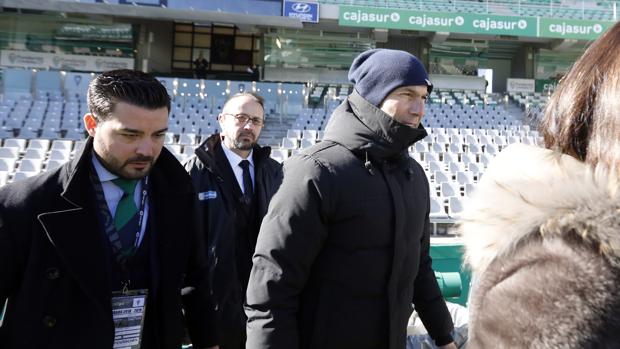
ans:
(529, 191)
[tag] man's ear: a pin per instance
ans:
(90, 124)
(220, 118)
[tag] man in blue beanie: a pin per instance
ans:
(343, 251)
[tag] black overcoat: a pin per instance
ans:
(219, 214)
(343, 251)
(54, 266)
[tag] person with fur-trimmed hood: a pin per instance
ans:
(542, 230)
(343, 251)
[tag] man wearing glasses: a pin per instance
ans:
(235, 179)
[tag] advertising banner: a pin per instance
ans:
(546, 85)
(469, 23)
(520, 85)
(572, 29)
(303, 10)
(58, 61)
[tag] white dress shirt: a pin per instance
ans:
(234, 159)
(114, 193)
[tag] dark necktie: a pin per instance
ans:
(248, 191)
(126, 207)
(126, 215)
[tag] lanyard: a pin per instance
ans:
(144, 194)
(107, 221)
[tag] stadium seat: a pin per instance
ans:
(438, 147)
(435, 166)
(30, 165)
(240, 86)
(455, 167)
(60, 154)
(187, 139)
(189, 150)
(449, 189)
(485, 159)
(76, 85)
(469, 189)
(306, 143)
(48, 133)
(21, 175)
(175, 149)
(468, 158)
(289, 143)
(431, 157)
(17, 83)
(62, 144)
(474, 168)
(441, 177)
(455, 148)
(464, 177)
(450, 157)
(34, 154)
(47, 83)
(491, 149)
(437, 208)
(43, 144)
(7, 164)
(294, 134)
(18, 143)
(28, 133)
(9, 152)
(421, 147)
(54, 163)
(309, 134)
(455, 207)
(4, 176)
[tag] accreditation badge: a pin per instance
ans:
(128, 309)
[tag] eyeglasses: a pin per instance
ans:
(243, 119)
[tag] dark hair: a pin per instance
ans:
(260, 100)
(581, 118)
(128, 86)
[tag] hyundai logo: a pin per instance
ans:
(300, 7)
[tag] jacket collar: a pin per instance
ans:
(362, 127)
(206, 153)
(76, 177)
(530, 191)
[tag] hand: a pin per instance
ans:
(448, 346)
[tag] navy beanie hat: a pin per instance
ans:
(378, 72)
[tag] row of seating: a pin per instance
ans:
(21, 158)
(55, 84)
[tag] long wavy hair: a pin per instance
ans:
(582, 118)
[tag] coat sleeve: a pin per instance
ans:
(13, 248)
(198, 304)
(291, 236)
(8, 269)
(427, 297)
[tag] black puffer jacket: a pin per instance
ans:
(219, 213)
(344, 249)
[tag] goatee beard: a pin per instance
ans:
(244, 146)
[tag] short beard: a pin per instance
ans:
(115, 167)
(243, 145)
